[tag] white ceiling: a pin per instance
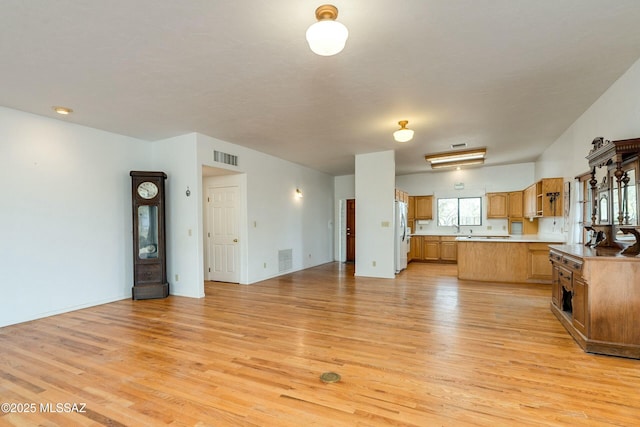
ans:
(510, 75)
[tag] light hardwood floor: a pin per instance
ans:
(423, 350)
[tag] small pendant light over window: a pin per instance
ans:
(327, 36)
(403, 134)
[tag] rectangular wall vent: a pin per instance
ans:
(227, 159)
(285, 260)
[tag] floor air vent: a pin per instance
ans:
(285, 260)
(227, 159)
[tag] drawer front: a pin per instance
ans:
(572, 263)
(566, 278)
(555, 256)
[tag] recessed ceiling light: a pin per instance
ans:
(62, 110)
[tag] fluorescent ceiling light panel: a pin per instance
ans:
(456, 156)
(443, 165)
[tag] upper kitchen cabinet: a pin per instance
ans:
(515, 204)
(423, 207)
(543, 199)
(411, 208)
(497, 205)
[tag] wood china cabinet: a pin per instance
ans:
(596, 287)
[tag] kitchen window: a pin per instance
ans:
(459, 211)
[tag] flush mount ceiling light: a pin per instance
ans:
(62, 110)
(403, 134)
(457, 164)
(327, 36)
(456, 158)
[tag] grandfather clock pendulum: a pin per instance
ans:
(149, 251)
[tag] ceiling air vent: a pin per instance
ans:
(462, 145)
(227, 159)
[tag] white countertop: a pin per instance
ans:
(519, 238)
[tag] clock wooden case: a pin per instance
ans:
(149, 249)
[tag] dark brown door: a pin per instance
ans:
(351, 230)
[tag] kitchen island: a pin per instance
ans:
(514, 259)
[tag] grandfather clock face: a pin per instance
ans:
(149, 260)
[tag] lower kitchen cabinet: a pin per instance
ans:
(415, 248)
(448, 249)
(433, 249)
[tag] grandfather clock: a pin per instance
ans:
(149, 252)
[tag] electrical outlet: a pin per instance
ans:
(374, 263)
(489, 227)
(177, 277)
(264, 265)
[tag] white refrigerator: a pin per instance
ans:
(401, 238)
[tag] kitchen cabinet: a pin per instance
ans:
(551, 197)
(543, 198)
(448, 248)
(538, 266)
(415, 248)
(423, 207)
(504, 260)
(530, 201)
(497, 205)
(433, 249)
(515, 204)
(411, 208)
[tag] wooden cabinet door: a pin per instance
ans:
(556, 293)
(515, 204)
(529, 203)
(424, 207)
(579, 304)
(431, 249)
(551, 186)
(497, 204)
(411, 208)
(415, 248)
(538, 266)
(448, 250)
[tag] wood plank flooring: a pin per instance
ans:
(423, 350)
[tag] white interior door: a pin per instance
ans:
(222, 235)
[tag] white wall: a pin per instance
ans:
(615, 115)
(65, 221)
(276, 219)
(177, 158)
(477, 182)
(375, 193)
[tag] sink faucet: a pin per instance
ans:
(457, 228)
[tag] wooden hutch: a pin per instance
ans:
(596, 287)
